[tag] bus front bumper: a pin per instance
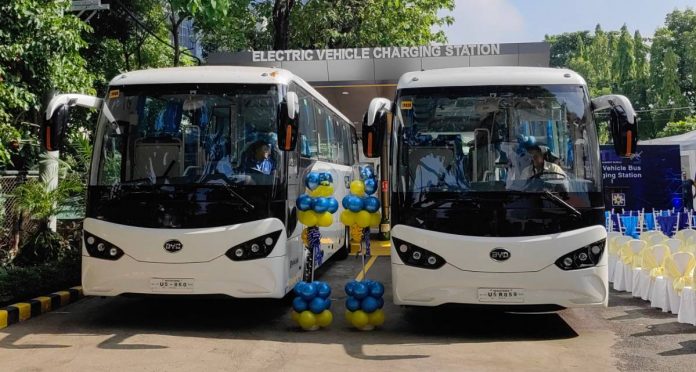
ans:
(262, 278)
(449, 285)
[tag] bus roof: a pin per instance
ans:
(489, 76)
(218, 75)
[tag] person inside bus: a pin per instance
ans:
(540, 164)
(259, 158)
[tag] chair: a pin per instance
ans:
(652, 259)
(656, 238)
(678, 272)
(687, 306)
(674, 245)
(623, 271)
(614, 248)
(685, 235)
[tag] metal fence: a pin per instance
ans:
(11, 225)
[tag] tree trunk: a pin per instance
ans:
(281, 23)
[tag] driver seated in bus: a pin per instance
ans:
(259, 158)
(541, 165)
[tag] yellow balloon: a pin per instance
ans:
(347, 218)
(325, 219)
(307, 320)
(307, 218)
(295, 316)
(324, 318)
(376, 318)
(375, 219)
(359, 319)
(326, 191)
(362, 218)
(357, 188)
(349, 316)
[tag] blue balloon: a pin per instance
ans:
(344, 202)
(376, 289)
(355, 204)
(305, 202)
(328, 177)
(321, 205)
(349, 287)
(308, 292)
(324, 290)
(370, 186)
(312, 181)
(360, 290)
(333, 205)
(317, 305)
(298, 288)
(368, 304)
(352, 304)
(299, 305)
(327, 303)
(381, 302)
(366, 172)
(323, 179)
(371, 204)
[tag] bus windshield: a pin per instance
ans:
(497, 139)
(212, 145)
(511, 153)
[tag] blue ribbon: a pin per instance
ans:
(667, 224)
(630, 223)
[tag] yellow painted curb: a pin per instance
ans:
(3, 319)
(64, 297)
(45, 303)
(24, 310)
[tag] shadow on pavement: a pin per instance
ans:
(122, 317)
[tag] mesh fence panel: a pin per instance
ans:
(8, 214)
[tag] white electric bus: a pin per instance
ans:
(496, 186)
(194, 179)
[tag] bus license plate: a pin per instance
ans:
(171, 285)
(511, 295)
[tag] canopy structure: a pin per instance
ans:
(687, 141)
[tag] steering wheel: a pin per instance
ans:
(538, 175)
(535, 182)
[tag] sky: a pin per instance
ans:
(511, 21)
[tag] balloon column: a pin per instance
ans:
(364, 304)
(361, 208)
(315, 210)
(310, 309)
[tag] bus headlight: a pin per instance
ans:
(413, 255)
(253, 249)
(100, 248)
(587, 256)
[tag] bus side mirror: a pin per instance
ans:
(623, 125)
(53, 128)
(374, 126)
(288, 121)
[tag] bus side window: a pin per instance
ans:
(308, 135)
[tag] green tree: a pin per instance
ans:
(682, 27)
(678, 127)
(207, 14)
(624, 69)
(565, 47)
(39, 52)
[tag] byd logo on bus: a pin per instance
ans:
(173, 246)
(500, 254)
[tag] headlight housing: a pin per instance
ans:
(253, 249)
(587, 256)
(100, 248)
(413, 255)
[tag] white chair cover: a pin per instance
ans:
(615, 244)
(687, 306)
(643, 281)
(658, 296)
(682, 261)
(674, 245)
(635, 246)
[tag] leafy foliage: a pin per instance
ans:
(678, 127)
(39, 52)
(19, 283)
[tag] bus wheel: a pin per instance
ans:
(343, 252)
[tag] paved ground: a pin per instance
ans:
(124, 334)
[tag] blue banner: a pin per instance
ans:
(650, 179)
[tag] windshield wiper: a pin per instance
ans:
(558, 201)
(236, 194)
